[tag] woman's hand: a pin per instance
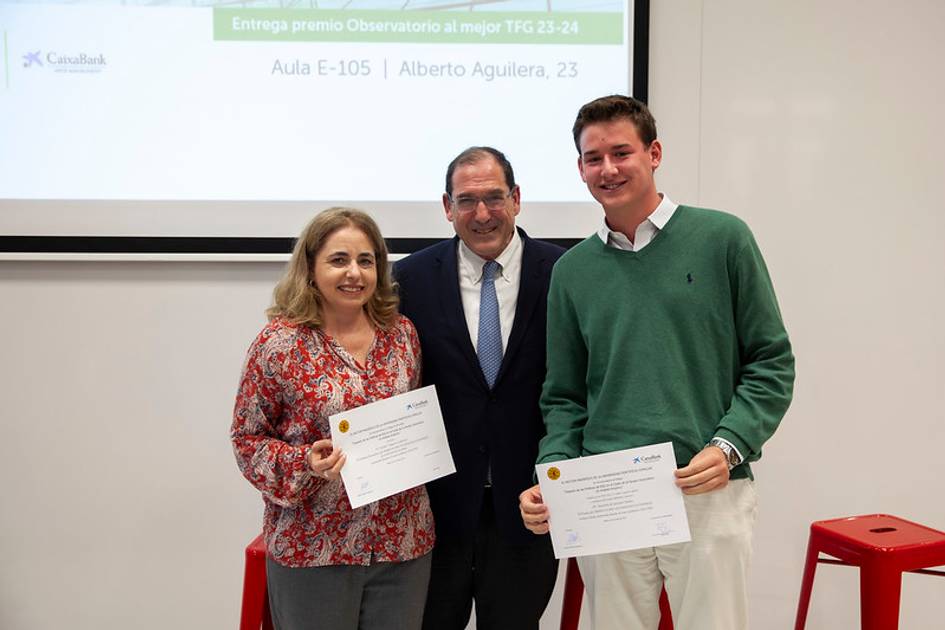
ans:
(325, 461)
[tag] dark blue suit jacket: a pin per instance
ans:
(502, 425)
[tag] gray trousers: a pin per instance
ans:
(381, 596)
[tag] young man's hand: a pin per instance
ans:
(707, 471)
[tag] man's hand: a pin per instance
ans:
(707, 471)
(534, 511)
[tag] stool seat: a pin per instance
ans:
(903, 543)
(883, 547)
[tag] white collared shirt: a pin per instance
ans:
(646, 231)
(506, 286)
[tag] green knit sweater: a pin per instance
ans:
(680, 342)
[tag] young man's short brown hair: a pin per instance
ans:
(615, 107)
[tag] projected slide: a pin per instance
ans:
(224, 118)
(293, 100)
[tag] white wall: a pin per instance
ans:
(818, 122)
(122, 504)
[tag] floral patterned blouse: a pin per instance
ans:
(293, 379)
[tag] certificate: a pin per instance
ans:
(392, 445)
(614, 502)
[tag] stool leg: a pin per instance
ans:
(880, 588)
(267, 614)
(573, 592)
(807, 584)
(255, 597)
(666, 615)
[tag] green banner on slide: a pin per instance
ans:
(420, 27)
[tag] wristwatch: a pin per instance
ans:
(732, 457)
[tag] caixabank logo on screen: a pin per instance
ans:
(57, 61)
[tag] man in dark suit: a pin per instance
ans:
(478, 301)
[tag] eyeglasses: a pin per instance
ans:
(494, 201)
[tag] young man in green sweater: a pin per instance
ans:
(663, 326)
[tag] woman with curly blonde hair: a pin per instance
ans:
(334, 341)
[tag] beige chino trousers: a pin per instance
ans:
(706, 579)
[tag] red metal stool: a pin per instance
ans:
(883, 546)
(574, 590)
(255, 613)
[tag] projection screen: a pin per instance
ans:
(207, 126)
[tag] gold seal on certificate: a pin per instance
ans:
(392, 445)
(614, 502)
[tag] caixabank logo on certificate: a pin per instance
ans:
(73, 62)
(417, 404)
